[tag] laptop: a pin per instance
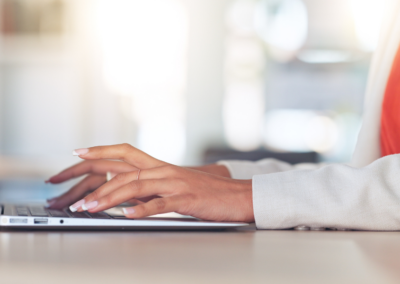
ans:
(34, 216)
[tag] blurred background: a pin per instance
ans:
(188, 81)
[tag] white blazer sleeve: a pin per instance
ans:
(333, 196)
(247, 169)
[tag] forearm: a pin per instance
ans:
(333, 196)
(247, 169)
(238, 169)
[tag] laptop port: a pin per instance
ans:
(41, 221)
(18, 221)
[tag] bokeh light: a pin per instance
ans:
(144, 45)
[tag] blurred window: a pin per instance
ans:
(243, 107)
(144, 45)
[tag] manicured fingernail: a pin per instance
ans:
(51, 199)
(110, 175)
(50, 203)
(90, 205)
(49, 180)
(74, 207)
(79, 152)
(128, 211)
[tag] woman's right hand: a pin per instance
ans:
(96, 171)
(214, 169)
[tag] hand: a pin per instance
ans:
(214, 169)
(96, 170)
(182, 190)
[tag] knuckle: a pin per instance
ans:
(172, 170)
(74, 171)
(95, 195)
(89, 163)
(85, 162)
(136, 186)
(140, 211)
(76, 190)
(120, 177)
(108, 199)
(181, 185)
(126, 146)
(159, 204)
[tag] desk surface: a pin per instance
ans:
(242, 256)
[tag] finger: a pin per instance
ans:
(125, 179)
(77, 192)
(95, 167)
(112, 185)
(135, 189)
(142, 200)
(123, 152)
(134, 201)
(153, 207)
(147, 199)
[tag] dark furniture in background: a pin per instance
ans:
(213, 155)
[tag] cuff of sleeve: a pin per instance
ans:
(274, 201)
(238, 169)
(247, 169)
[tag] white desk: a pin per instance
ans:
(243, 256)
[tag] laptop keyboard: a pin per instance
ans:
(22, 211)
(38, 211)
(99, 215)
(57, 213)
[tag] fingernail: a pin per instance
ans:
(50, 203)
(90, 205)
(49, 180)
(79, 152)
(128, 211)
(110, 175)
(74, 207)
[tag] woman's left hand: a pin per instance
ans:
(182, 190)
(96, 171)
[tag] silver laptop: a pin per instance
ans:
(35, 216)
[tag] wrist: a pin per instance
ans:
(246, 189)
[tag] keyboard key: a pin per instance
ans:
(38, 211)
(21, 207)
(99, 215)
(22, 210)
(78, 214)
(57, 213)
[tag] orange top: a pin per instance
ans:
(390, 118)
